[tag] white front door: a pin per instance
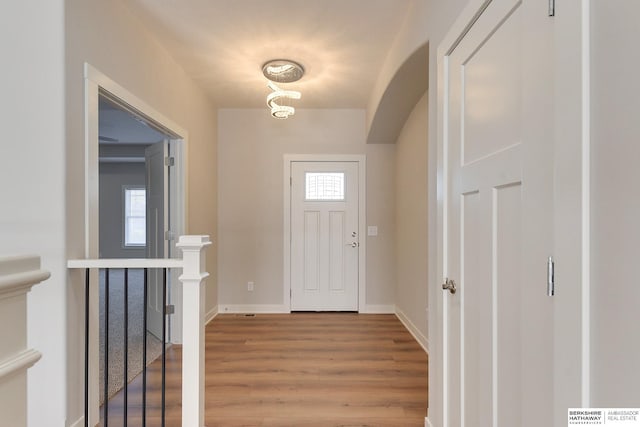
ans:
(498, 175)
(157, 186)
(324, 236)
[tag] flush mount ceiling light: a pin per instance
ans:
(281, 71)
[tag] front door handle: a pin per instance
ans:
(353, 244)
(450, 285)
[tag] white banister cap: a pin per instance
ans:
(195, 241)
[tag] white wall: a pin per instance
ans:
(615, 228)
(32, 218)
(107, 36)
(250, 165)
(113, 178)
(411, 221)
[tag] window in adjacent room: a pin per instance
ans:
(135, 208)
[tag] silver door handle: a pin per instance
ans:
(450, 285)
(353, 244)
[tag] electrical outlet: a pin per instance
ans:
(250, 286)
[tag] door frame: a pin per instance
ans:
(95, 84)
(362, 217)
(571, 211)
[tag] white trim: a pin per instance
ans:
(211, 314)
(427, 422)
(586, 204)
(91, 73)
(413, 330)
(442, 225)
(495, 337)
(18, 363)
(20, 283)
(379, 309)
(253, 308)
(571, 208)
(361, 159)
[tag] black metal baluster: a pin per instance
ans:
(86, 348)
(164, 338)
(144, 347)
(126, 344)
(106, 347)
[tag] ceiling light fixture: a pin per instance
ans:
(281, 111)
(281, 71)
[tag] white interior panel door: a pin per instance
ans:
(498, 337)
(324, 236)
(157, 186)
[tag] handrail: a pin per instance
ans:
(192, 278)
(126, 263)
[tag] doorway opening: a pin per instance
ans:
(135, 208)
(133, 223)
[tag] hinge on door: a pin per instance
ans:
(170, 309)
(552, 7)
(551, 281)
(169, 161)
(169, 235)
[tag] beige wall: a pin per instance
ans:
(411, 37)
(615, 228)
(107, 36)
(250, 230)
(411, 221)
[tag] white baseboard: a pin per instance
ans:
(281, 308)
(422, 340)
(379, 309)
(427, 423)
(253, 308)
(211, 314)
(79, 422)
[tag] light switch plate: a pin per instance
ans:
(372, 230)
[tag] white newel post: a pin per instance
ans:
(193, 300)
(17, 276)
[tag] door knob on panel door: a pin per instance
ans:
(353, 244)
(450, 285)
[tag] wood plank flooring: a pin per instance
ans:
(300, 369)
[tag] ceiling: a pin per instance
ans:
(222, 45)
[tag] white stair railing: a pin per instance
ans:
(17, 276)
(193, 299)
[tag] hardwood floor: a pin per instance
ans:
(301, 369)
